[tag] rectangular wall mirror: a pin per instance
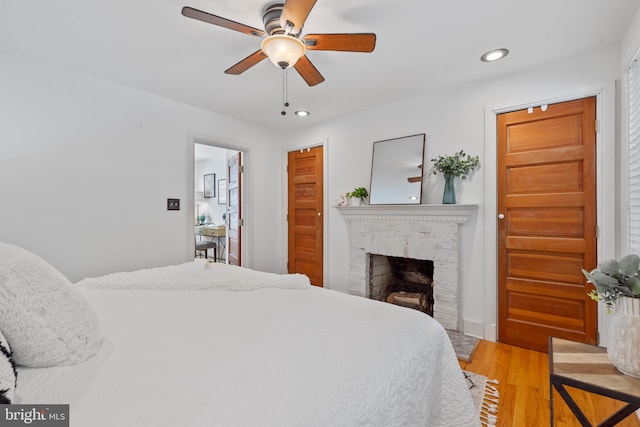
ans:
(397, 170)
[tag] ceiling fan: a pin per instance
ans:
(281, 39)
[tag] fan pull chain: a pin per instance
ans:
(285, 92)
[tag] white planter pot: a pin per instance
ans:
(355, 201)
(624, 336)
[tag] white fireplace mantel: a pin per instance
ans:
(451, 213)
(428, 232)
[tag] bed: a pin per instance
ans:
(203, 344)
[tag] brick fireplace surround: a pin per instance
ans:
(427, 232)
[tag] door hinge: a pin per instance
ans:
(241, 168)
(597, 231)
(241, 222)
(597, 126)
(287, 217)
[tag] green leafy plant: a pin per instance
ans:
(358, 193)
(614, 279)
(460, 164)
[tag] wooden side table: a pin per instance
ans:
(587, 367)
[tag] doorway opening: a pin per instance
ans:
(605, 193)
(217, 199)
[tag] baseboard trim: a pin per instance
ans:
(480, 330)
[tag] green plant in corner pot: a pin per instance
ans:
(615, 279)
(460, 165)
(359, 193)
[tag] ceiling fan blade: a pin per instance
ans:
(362, 42)
(308, 71)
(294, 14)
(190, 12)
(246, 63)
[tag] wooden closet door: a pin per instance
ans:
(546, 224)
(305, 213)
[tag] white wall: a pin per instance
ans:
(453, 119)
(86, 167)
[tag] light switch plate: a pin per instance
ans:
(173, 204)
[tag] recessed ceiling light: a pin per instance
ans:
(494, 55)
(302, 113)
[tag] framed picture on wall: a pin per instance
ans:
(210, 185)
(222, 191)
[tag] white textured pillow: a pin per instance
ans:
(45, 319)
(7, 372)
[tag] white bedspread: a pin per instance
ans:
(198, 274)
(269, 357)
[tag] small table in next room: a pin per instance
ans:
(587, 367)
(216, 233)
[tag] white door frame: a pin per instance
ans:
(247, 207)
(605, 188)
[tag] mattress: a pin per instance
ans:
(300, 356)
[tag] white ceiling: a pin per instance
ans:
(421, 45)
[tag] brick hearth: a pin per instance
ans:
(427, 232)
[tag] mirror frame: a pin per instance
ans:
(397, 171)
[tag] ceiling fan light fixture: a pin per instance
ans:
(284, 51)
(494, 55)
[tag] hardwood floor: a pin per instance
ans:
(524, 389)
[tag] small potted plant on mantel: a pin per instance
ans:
(357, 196)
(618, 286)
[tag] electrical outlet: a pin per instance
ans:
(173, 204)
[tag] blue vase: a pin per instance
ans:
(449, 196)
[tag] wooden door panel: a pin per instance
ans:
(305, 240)
(557, 200)
(561, 154)
(306, 218)
(545, 244)
(305, 194)
(543, 134)
(551, 178)
(309, 268)
(543, 287)
(556, 311)
(543, 222)
(564, 269)
(546, 192)
(305, 213)
(305, 167)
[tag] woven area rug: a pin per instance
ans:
(464, 345)
(485, 396)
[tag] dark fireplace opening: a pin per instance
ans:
(402, 281)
